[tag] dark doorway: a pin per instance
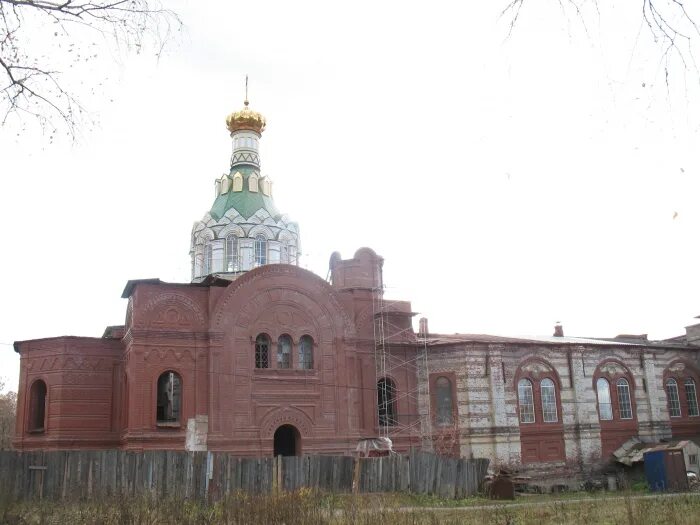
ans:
(287, 441)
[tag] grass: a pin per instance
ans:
(307, 508)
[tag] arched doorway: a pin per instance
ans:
(287, 441)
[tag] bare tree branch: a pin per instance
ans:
(37, 82)
(668, 22)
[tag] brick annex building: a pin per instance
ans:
(258, 357)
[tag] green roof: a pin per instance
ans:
(244, 202)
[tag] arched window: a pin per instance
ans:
(284, 252)
(692, 397)
(386, 402)
(526, 402)
(624, 399)
(207, 259)
(262, 351)
(253, 183)
(604, 400)
(260, 250)
(169, 398)
(674, 402)
(37, 406)
(306, 352)
(443, 401)
(549, 401)
(284, 352)
(232, 260)
(237, 182)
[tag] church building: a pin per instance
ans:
(257, 356)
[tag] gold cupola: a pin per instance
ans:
(245, 120)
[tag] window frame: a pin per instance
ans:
(260, 249)
(623, 382)
(284, 338)
(232, 260)
(170, 422)
(444, 401)
(35, 406)
(618, 372)
(694, 404)
(258, 351)
(388, 418)
(305, 360)
(608, 404)
(549, 402)
(686, 421)
(208, 258)
(667, 384)
(526, 382)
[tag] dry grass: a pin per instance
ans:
(307, 508)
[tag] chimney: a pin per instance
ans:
(423, 327)
(558, 330)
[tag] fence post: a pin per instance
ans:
(355, 476)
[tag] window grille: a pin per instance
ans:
(306, 357)
(526, 404)
(284, 352)
(549, 401)
(605, 411)
(674, 402)
(262, 351)
(623, 399)
(207, 259)
(260, 250)
(691, 396)
(232, 258)
(443, 401)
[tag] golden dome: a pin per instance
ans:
(245, 119)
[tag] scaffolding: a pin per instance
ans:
(394, 356)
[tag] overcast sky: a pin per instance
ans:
(509, 183)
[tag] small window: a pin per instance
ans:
(604, 400)
(37, 406)
(692, 397)
(262, 351)
(306, 352)
(624, 399)
(674, 403)
(693, 459)
(386, 402)
(526, 403)
(237, 182)
(284, 352)
(443, 401)
(549, 401)
(284, 253)
(253, 183)
(169, 399)
(208, 255)
(260, 250)
(232, 258)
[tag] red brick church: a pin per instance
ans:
(258, 357)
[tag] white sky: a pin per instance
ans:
(509, 183)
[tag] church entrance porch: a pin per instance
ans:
(287, 441)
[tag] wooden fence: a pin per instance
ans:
(212, 475)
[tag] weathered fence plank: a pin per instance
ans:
(213, 475)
